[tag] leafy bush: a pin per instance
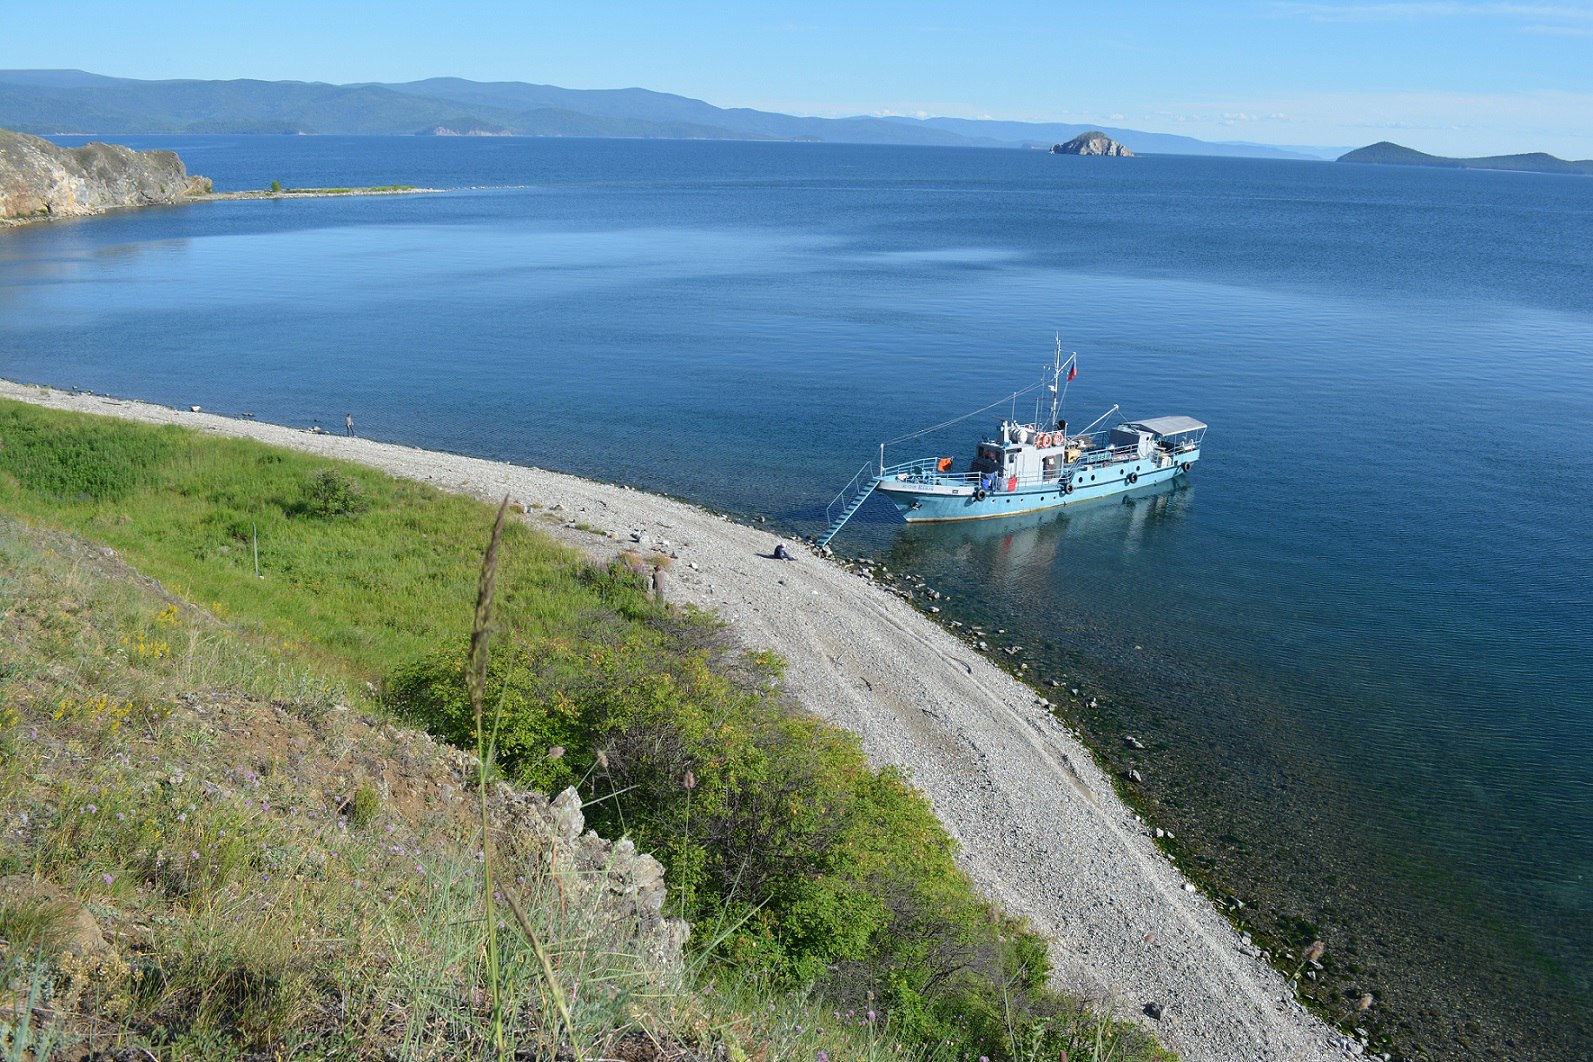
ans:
(330, 494)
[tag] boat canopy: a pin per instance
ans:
(1165, 426)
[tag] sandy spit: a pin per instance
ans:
(1042, 831)
(217, 197)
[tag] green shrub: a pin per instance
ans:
(330, 494)
(364, 806)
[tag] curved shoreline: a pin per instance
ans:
(1042, 830)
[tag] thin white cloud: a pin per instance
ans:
(1531, 14)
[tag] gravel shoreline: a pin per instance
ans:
(1042, 831)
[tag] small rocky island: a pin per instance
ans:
(40, 180)
(1093, 142)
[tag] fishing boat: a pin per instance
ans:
(1027, 466)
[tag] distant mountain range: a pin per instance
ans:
(48, 102)
(1384, 153)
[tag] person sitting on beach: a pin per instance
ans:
(780, 552)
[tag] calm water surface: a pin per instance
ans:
(1356, 642)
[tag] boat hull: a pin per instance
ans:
(926, 501)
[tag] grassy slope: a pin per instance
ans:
(362, 596)
(273, 872)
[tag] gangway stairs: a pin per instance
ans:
(848, 501)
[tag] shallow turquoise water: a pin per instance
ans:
(1358, 640)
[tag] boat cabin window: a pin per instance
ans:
(989, 459)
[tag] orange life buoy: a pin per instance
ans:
(943, 465)
(1042, 440)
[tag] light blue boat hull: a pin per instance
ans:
(923, 500)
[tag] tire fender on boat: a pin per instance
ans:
(1067, 488)
(1133, 477)
(979, 495)
(1184, 467)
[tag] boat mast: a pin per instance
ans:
(1056, 374)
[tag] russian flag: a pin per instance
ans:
(1073, 370)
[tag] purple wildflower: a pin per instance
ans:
(107, 878)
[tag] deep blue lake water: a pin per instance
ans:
(1357, 641)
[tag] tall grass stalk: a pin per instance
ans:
(480, 636)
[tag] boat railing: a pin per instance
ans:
(927, 470)
(863, 480)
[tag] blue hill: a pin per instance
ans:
(47, 102)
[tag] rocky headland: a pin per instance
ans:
(1093, 142)
(40, 180)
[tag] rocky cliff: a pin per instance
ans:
(39, 179)
(1094, 142)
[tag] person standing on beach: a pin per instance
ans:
(348, 423)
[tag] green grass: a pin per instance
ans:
(808, 874)
(364, 590)
(347, 191)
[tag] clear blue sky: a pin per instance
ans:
(1459, 78)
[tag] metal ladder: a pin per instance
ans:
(849, 501)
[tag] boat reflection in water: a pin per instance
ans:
(1050, 549)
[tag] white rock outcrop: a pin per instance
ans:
(39, 179)
(1094, 142)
